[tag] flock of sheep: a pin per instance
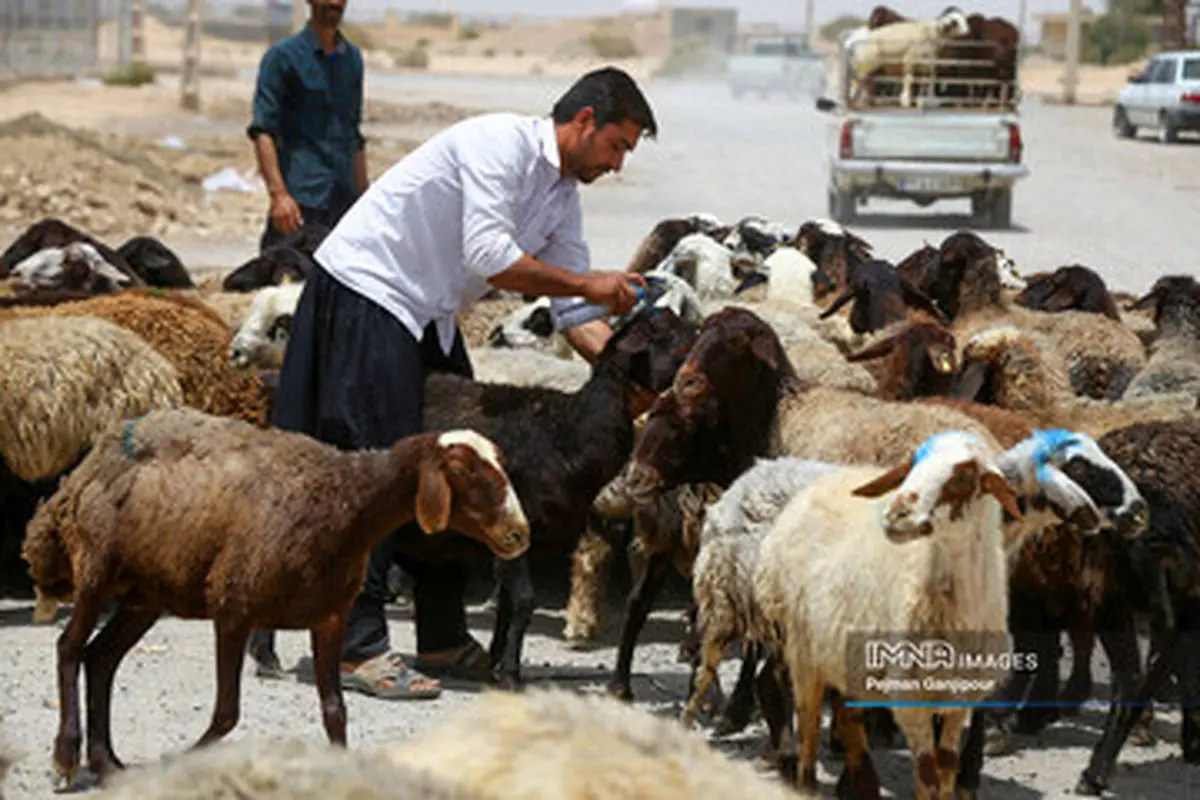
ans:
(960, 57)
(824, 443)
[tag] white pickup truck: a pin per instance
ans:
(959, 138)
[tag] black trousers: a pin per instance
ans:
(353, 376)
(339, 204)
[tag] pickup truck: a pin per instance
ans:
(776, 63)
(959, 138)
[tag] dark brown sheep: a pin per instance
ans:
(834, 250)
(53, 232)
(1073, 287)
(183, 513)
(918, 360)
(881, 297)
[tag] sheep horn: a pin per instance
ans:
(970, 383)
(874, 350)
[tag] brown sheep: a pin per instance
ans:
(1073, 287)
(183, 513)
(919, 359)
(187, 332)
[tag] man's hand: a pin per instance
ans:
(285, 214)
(613, 289)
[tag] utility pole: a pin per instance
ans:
(137, 38)
(190, 83)
(1174, 28)
(1070, 79)
(124, 24)
(299, 17)
(808, 24)
(1022, 11)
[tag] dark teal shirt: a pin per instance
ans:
(311, 103)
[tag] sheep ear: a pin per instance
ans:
(433, 498)
(763, 348)
(848, 294)
(885, 482)
(994, 484)
(874, 350)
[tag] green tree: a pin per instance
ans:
(831, 31)
(1116, 38)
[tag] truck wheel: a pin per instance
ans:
(1001, 211)
(1121, 127)
(841, 206)
(1167, 133)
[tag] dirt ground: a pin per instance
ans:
(1118, 206)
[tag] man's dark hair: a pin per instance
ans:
(614, 97)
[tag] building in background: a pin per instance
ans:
(716, 27)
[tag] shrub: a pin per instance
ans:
(612, 45)
(134, 74)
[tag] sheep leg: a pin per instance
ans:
(101, 658)
(518, 595)
(953, 721)
(1040, 710)
(970, 760)
(740, 706)
(1079, 685)
(641, 599)
(1119, 640)
(231, 650)
(808, 696)
(917, 726)
(1122, 717)
(589, 574)
(710, 657)
(327, 640)
(71, 644)
(859, 778)
(773, 687)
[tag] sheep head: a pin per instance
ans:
(714, 418)
(968, 274)
(949, 472)
(952, 23)
(462, 486)
(1175, 300)
(531, 326)
(922, 361)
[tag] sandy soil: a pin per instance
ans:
(1118, 206)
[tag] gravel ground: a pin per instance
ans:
(1119, 207)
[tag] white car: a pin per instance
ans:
(1164, 96)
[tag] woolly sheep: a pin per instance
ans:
(1097, 354)
(189, 334)
(289, 769)
(66, 380)
(1006, 367)
(260, 341)
(737, 397)
(316, 513)
(938, 573)
(554, 744)
(1174, 363)
(910, 41)
(722, 576)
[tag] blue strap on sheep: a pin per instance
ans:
(922, 451)
(1050, 443)
(127, 437)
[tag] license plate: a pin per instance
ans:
(931, 183)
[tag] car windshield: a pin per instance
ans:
(1191, 69)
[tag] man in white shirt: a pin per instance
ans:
(492, 201)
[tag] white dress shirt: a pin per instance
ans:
(462, 207)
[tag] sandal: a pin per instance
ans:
(389, 678)
(470, 663)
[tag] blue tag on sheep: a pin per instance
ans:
(1049, 443)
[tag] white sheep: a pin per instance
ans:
(529, 368)
(706, 264)
(843, 571)
(262, 338)
(49, 268)
(910, 41)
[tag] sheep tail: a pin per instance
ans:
(49, 562)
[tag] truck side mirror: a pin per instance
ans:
(825, 104)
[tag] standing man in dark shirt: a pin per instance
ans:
(307, 111)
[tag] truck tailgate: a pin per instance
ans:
(917, 136)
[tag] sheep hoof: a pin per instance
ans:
(508, 683)
(963, 794)
(1142, 736)
(63, 779)
(996, 741)
(1089, 786)
(621, 690)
